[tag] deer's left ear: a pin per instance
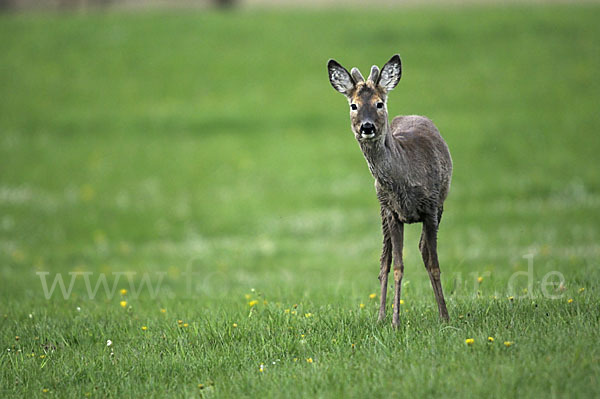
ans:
(391, 73)
(340, 78)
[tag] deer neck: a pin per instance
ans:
(385, 160)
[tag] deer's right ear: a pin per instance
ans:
(339, 77)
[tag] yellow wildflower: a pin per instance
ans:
(570, 300)
(123, 291)
(373, 296)
(511, 298)
(469, 341)
(401, 301)
(123, 303)
(45, 390)
(144, 328)
(261, 368)
(201, 386)
(362, 305)
(247, 296)
(479, 279)
(581, 289)
(252, 303)
(490, 339)
(179, 321)
(234, 325)
(307, 315)
(163, 311)
(186, 325)
(309, 360)
(42, 356)
(294, 312)
(286, 311)
(508, 343)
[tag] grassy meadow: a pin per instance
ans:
(202, 165)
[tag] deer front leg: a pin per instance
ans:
(397, 238)
(428, 247)
(386, 261)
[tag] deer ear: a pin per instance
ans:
(340, 78)
(390, 73)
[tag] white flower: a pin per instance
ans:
(108, 342)
(30, 316)
(78, 309)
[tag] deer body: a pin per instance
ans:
(412, 167)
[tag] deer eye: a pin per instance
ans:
(354, 107)
(380, 105)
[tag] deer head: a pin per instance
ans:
(367, 99)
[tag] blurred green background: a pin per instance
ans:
(217, 135)
(164, 140)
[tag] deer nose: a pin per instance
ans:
(367, 128)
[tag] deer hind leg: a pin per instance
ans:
(428, 246)
(386, 261)
(423, 248)
(397, 238)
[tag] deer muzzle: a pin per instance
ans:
(367, 130)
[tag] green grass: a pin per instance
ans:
(212, 143)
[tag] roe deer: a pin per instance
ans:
(412, 167)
